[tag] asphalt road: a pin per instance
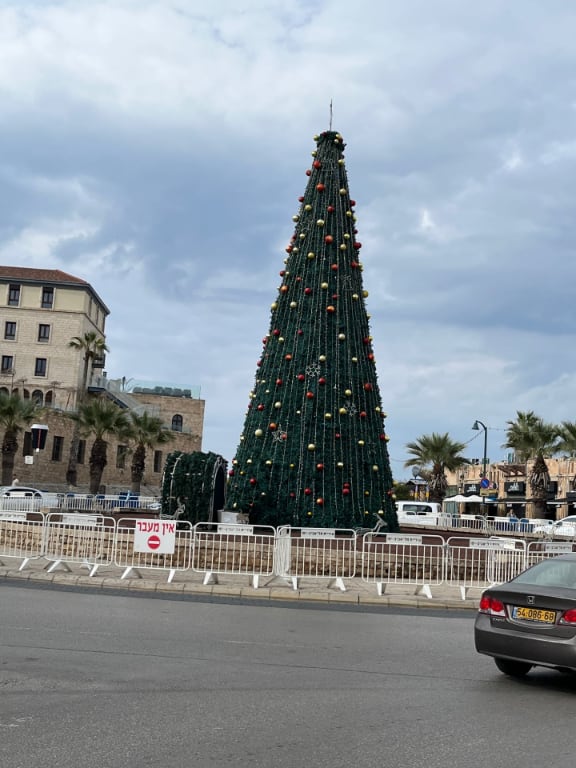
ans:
(101, 680)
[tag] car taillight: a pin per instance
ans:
(491, 605)
(568, 617)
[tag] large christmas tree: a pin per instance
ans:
(314, 448)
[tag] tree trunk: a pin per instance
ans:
(98, 461)
(72, 469)
(138, 467)
(9, 448)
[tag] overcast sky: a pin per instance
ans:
(157, 148)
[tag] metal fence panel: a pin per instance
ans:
(79, 538)
(233, 548)
(128, 556)
(479, 563)
(21, 536)
(403, 559)
(317, 553)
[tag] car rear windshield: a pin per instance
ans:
(550, 573)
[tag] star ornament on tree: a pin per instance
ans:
(313, 370)
(279, 435)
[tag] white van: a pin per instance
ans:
(418, 512)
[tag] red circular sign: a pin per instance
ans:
(154, 542)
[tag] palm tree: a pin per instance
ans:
(93, 346)
(15, 415)
(436, 454)
(101, 418)
(147, 432)
(567, 441)
(530, 437)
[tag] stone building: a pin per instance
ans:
(41, 310)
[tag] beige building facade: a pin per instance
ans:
(41, 310)
(509, 490)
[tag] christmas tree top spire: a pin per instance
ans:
(313, 451)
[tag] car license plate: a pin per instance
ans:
(533, 614)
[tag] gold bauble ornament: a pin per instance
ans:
(347, 392)
(258, 433)
(342, 411)
(311, 447)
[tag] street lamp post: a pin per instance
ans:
(480, 425)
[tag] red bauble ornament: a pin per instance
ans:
(334, 296)
(368, 386)
(354, 264)
(357, 246)
(328, 239)
(334, 267)
(308, 291)
(289, 249)
(301, 377)
(362, 414)
(288, 357)
(322, 380)
(279, 382)
(252, 481)
(382, 437)
(260, 407)
(331, 209)
(330, 309)
(301, 199)
(352, 203)
(346, 485)
(272, 426)
(310, 395)
(308, 491)
(337, 435)
(320, 501)
(275, 332)
(308, 172)
(292, 495)
(319, 467)
(282, 272)
(300, 332)
(283, 288)
(366, 339)
(370, 356)
(259, 363)
(320, 187)
(231, 473)
(345, 491)
(317, 164)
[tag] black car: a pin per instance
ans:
(531, 620)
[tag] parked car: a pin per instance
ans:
(20, 497)
(564, 527)
(418, 512)
(531, 620)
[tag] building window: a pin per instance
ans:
(37, 397)
(57, 446)
(40, 366)
(27, 444)
(121, 453)
(157, 461)
(177, 423)
(13, 295)
(81, 455)
(7, 365)
(43, 332)
(47, 298)
(10, 331)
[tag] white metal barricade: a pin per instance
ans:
(21, 536)
(316, 553)
(541, 550)
(79, 538)
(233, 548)
(159, 545)
(479, 563)
(405, 559)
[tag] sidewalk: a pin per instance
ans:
(358, 592)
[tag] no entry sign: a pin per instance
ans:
(155, 536)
